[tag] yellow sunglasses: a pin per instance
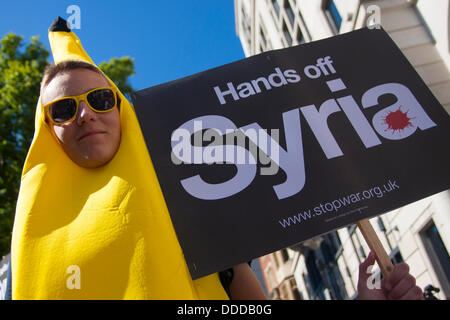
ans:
(65, 109)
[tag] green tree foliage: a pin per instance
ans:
(21, 70)
(118, 70)
(20, 75)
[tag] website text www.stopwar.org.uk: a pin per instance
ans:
(338, 205)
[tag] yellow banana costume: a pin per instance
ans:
(109, 226)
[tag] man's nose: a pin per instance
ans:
(85, 114)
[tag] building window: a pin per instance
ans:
(295, 293)
(300, 38)
(333, 15)
(362, 253)
(275, 258)
(351, 228)
(276, 6)
(284, 255)
(352, 240)
(307, 285)
(289, 12)
(438, 255)
(261, 49)
(396, 256)
(287, 35)
(337, 240)
(314, 277)
(263, 38)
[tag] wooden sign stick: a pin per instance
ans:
(375, 245)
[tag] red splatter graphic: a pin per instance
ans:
(397, 120)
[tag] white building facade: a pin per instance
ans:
(419, 233)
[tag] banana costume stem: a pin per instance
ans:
(109, 226)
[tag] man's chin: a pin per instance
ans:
(92, 160)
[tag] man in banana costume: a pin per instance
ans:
(91, 221)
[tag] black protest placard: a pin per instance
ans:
(275, 149)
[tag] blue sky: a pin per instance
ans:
(167, 39)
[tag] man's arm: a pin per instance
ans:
(245, 285)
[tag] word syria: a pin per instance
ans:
(395, 122)
(277, 79)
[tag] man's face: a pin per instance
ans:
(91, 139)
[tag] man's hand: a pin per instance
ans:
(399, 285)
(245, 285)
